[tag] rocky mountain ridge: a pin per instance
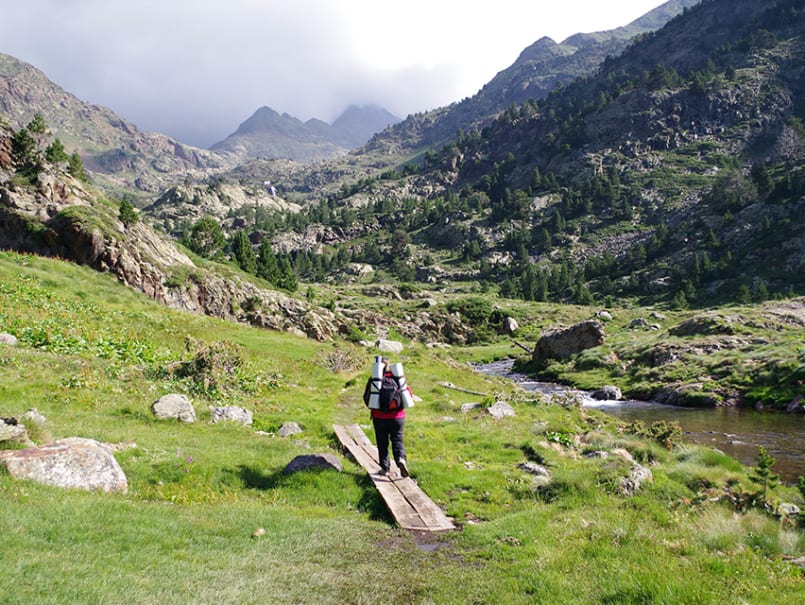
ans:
(267, 134)
(122, 159)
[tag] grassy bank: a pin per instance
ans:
(92, 357)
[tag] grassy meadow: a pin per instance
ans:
(93, 356)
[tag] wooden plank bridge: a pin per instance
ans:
(407, 503)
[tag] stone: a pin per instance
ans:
(11, 430)
(534, 469)
(510, 325)
(289, 428)
(638, 475)
(8, 339)
(639, 322)
(313, 462)
(34, 416)
(786, 509)
(500, 409)
(604, 315)
(607, 393)
(468, 407)
(71, 463)
(174, 406)
(231, 414)
(389, 346)
(562, 343)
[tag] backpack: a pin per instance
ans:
(390, 398)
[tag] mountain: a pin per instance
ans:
(674, 173)
(538, 70)
(267, 134)
(122, 159)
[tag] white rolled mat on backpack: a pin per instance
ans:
(374, 387)
(399, 374)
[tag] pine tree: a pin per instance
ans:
(762, 472)
(243, 252)
(267, 267)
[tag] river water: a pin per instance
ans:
(738, 432)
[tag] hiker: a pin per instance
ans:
(387, 402)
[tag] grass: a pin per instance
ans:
(92, 357)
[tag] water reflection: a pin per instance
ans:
(737, 432)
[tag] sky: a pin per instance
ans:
(196, 69)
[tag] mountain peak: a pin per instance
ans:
(268, 134)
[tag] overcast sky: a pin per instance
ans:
(196, 69)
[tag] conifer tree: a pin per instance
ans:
(243, 252)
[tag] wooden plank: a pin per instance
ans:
(430, 513)
(407, 503)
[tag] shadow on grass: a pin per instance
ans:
(318, 480)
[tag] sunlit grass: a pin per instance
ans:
(183, 532)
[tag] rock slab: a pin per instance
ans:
(72, 463)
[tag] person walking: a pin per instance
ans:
(388, 417)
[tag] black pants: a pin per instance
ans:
(389, 430)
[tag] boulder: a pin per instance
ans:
(313, 462)
(787, 509)
(11, 430)
(8, 339)
(562, 343)
(34, 416)
(72, 463)
(607, 393)
(289, 428)
(175, 406)
(510, 325)
(500, 409)
(232, 414)
(389, 346)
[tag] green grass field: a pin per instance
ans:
(93, 356)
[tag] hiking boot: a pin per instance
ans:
(383, 472)
(403, 468)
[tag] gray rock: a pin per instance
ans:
(71, 463)
(289, 428)
(11, 430)
(608, 393)
(786, 509)
(231, 414)
(8, 339)
(389, 346)
(631, 485)
(34, 416)
(603, 454)
(510, 325)
(562, 343)
(604, 315)
(500, 409)
(639, 322)
(175, 406)
(313, 461)
(468, 407)
(534, 469)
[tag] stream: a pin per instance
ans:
(738, 432)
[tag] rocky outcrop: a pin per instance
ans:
(60, 216)
(72, 463)
(562, 343)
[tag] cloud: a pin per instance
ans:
(195, 69)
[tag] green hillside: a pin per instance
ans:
(93, 355)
